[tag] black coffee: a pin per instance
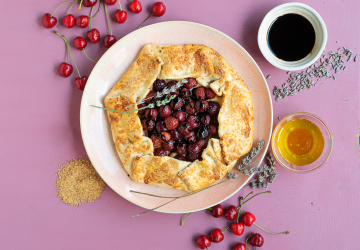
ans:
(291, 37)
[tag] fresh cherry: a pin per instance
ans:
(65, 69)
(135, 6)
(80, 43)
(109, 40)
(256, 240)
(82, 21)
(231, 213)
(217, 211)
(203, 241)
(120, 16)
(93, 35)
(81, 82)
(110, 2)
(158, 9)
(48, 21)
(216, 235)
(68, 21)
(89, 3)
(239, 246)
(164, 111)
(248, 219)
(237, 228)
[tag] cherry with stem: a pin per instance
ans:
(48, 20)
(81, 80)
(93, 35)
(158, 9)
(120, 16)
(109, 40)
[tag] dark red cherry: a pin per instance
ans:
(171, 122)
(177, 103)
(216, 235)
(191, 83)
(237, 228)
(231, 213)
(93, 35)
(183, 128)
(256, 240)
(213, 108)
(89, 3)
(203, 241)
(193, 121)
(180, 115)
(160, 127)
(158, 9)
(181, 148)
(192, 157)
(68, 21)
(175, 135)
(194, 148)
(168, 145)
(110, 2)
(239, 246)
(202, 132)
(160, 152)
(82, 21)
(135, 6)
(159, 85)
(65, 69)
(210, 94)
(165, 136)
(184, 93)
(149, 97)
(48, 21)
(217, 211)
(190, 137)
(81, 82)
(141, 111)
(202, 143)
(199, 93)
(164, 111)
(147, 124)
(189, 108)
(151, 113)
(155, 140)
(170, 84)
(109, 41)
(120, 16)
(201, 106)
(213, 129)
(205, 119)
(180, 157)
(80, 43)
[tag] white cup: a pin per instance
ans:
(312, 16)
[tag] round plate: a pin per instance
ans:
(96, 130)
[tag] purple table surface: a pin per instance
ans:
(40, 128)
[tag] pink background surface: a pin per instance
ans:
(40, 128)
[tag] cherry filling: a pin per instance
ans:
(182, 126)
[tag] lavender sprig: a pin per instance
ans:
(265, 177)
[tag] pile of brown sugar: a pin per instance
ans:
(78, 182)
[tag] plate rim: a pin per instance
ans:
(267, 141)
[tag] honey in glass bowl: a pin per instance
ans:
(300, 142)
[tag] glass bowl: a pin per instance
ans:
(327, 143)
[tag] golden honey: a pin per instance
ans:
(300, 142)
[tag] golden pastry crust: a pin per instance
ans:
(235, 117)
(160, 171)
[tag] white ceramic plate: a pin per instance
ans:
(96, 131)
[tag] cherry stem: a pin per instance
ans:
(240, 209)
(145, 20)
(62, 5)
(247, 240)
(182, 222)
(270, 232)
(80, 5)
(91, 17)
(210, 208)
(255, 196)
(71, 7)
(68, 47)
(248, 195)
(89, 57)
(120, 5)
(107, 17)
